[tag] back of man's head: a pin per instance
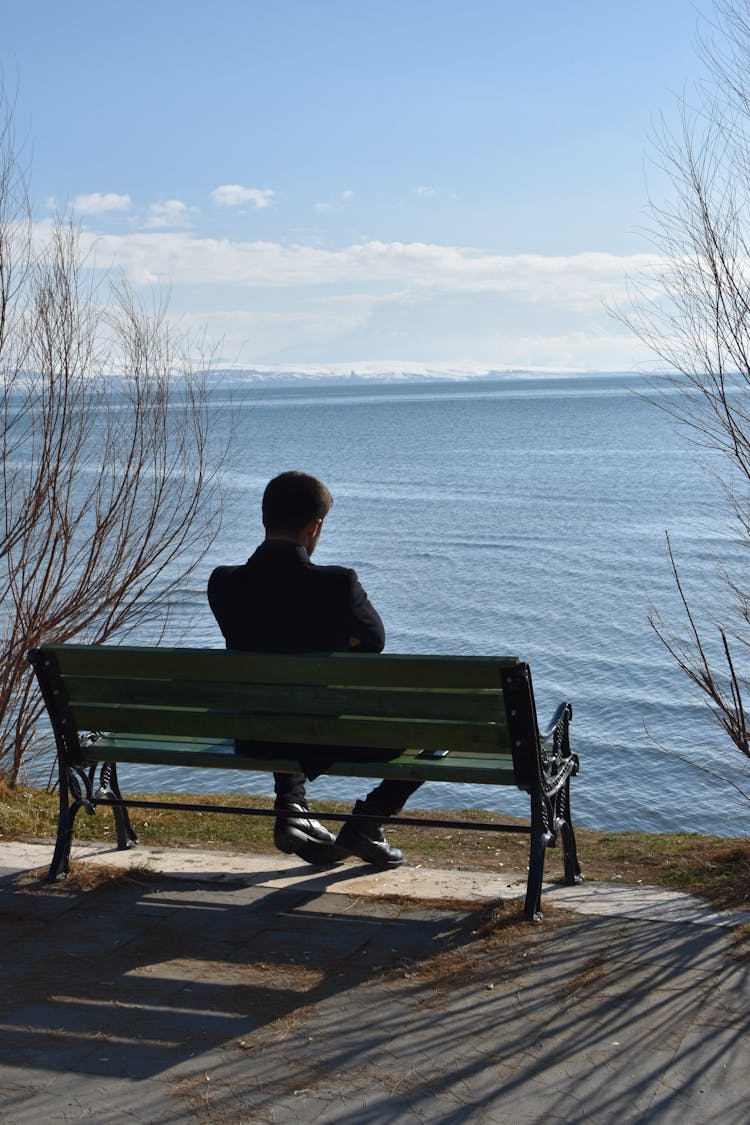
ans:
(292, 501)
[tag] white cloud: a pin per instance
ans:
(235, 195)
(347, 196)
(170, 213)
(573, 281)
(372, 300)
(98, 203)
(269, 330)
(302, 334)
(425, 191)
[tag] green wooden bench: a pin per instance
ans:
(184, 707)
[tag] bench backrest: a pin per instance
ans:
(478, 704)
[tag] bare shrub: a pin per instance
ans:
(108, 496)
(693, 311)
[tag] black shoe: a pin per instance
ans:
(301, 835)
(301, 820)
(365, 838)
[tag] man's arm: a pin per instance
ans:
(216, 598)
(365, 628)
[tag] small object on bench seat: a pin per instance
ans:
(471, 719)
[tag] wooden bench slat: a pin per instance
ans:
(208, 753)
(344, 730)
(486, 705)
(209, 665)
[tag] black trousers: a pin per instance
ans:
(385, 799)
(388, 798)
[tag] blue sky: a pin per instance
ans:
(454, 185)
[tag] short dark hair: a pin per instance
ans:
(293, 500)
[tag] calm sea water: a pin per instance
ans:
(518, 516)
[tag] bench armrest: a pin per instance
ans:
(554, 748)
(564, 711)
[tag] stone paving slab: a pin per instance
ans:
(256, 996)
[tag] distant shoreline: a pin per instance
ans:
(370, 374)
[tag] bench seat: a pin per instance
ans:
(458, 766)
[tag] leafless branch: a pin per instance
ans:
(110, 497)
(694, 313)
(701, 766)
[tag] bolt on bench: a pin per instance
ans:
(185, 707)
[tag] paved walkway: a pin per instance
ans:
(252, 990)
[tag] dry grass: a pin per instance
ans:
(740, 939)
(86, 877)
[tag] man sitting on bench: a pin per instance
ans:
(280, 601)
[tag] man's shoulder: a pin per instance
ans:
(341, 577)
(273, 568)
(221, 574)
(332, 569)
(223, 580)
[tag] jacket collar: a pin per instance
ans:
(282, 548)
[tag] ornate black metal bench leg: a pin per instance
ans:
(69, 784)
(570, 853)
(109, 787)
(60, 865)
(541, 837)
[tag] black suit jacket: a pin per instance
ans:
(280, 601)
